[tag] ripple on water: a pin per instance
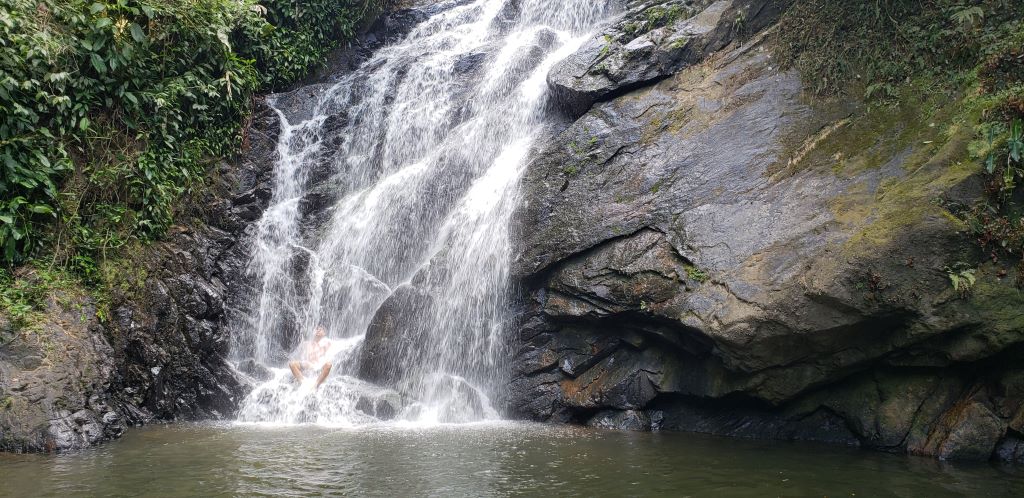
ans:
(480, 459)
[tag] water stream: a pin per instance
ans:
(419, 152)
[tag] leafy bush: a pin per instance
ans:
(111, 110)
(23, 296)
(998, 221)
(883, 44)
(295, 36)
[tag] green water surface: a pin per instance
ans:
(499, 459)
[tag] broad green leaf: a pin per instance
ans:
(41, 209)
(222, 35)
(137, 33)
(10, 163)
(97, 63)
(10, 252)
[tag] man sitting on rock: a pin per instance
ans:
(314, 358)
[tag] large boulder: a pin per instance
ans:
(715, 249)
(394, 338)
(652, 41)
(55, 380)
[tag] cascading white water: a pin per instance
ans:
(426, 141)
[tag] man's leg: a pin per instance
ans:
(324, 372)
(296, 370)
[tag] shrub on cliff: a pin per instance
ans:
(110, 110)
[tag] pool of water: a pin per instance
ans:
(495, 459)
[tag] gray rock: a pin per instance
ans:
(968, 431)
(711, 245)
(393, 337)
(651, 41)
(56, 381)
(255, 370)
(1011, 450)
(626, 420)
(383, 407)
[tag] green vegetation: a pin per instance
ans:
(962, 277)
(607, 46)
(582, 155)
(654, 18)
(112, 110)
(696, 274)
(883, 45)
(23, 299)
(905, 53)
(998, 221)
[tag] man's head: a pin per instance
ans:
(320, 332)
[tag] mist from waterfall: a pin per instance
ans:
(423, 147)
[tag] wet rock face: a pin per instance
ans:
(393, 340)
(628, 420)
(708, 249)
(172, 333)
(176, 334)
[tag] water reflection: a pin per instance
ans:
(500, 459)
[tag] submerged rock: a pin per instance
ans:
(626, 420)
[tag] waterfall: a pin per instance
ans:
(418, 152)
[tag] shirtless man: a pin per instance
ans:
(315, 351)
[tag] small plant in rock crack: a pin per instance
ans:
(962, 277)
(739, 25)
(608, 40)
(696, 274)
(654, 18)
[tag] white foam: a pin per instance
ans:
(427, 171)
